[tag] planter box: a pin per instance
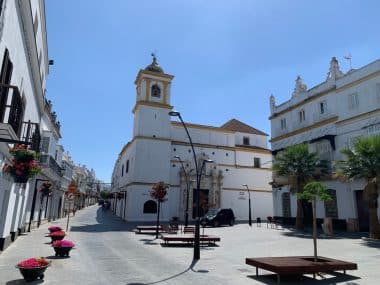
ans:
(32, 274)
(62, 251)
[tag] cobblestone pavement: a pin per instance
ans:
(108, 252)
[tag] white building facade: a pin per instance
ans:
(239, 154)
(329, 117)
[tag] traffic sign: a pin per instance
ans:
(71, 196)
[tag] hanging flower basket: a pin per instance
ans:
(23, 164)
(33, 268)
(62, 247)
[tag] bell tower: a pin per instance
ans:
(152, 102)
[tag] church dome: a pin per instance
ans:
(154, 66)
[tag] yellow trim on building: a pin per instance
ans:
(155, 74)
(243, 166)
(152, 104)
(203, 127)
(148, 81)
(358, 117)
(236, 148)
(308, 128)
(245, 190)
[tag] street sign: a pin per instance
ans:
(71, 196)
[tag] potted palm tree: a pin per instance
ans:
(363, 162)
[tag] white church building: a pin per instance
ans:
(239, 153)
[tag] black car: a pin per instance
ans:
(217, 217)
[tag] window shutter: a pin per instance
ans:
(45, 144)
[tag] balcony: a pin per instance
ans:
(47, 161)
(12, 128)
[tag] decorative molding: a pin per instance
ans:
(202, 127)
(304, 129)
(245, 190)
(358, 117)
(151, 104)
(237, 166)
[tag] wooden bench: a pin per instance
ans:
(204, 239)
(148, 229)
(299, 265)
(188, 230)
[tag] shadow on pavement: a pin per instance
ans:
(107, 222)
(191, 267)
(371, 243)
(22, 281)
(307, 233)
(332, 278)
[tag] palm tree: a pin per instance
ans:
(299, 166)
(363, 162)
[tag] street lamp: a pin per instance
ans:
(249, 206)
(187, 189)
(197, 196)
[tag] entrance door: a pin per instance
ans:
(307, 213)
(203, 202)
(363, 212)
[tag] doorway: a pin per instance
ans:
(363, 211)
(307, 213)
(203, 202)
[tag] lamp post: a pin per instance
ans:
(187, 190)
(198, 171)
(249, 206)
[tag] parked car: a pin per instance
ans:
(217, 217)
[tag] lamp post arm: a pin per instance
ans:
(191, 144)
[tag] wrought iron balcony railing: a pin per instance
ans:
(47, 161)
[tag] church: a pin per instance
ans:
(238, 168)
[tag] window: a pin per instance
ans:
(122, 170)
(245, 140)
(45, 144)
(156, 91)
(256, 162)
(283, 124)
(5, 78)
(331, 208)
(353, 101)
(127, 166)
(150, 207)
(322, 107)
(286, 206)
(16, 112)
(301, 116)
(378, 92)
(374, 129)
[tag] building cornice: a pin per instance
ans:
(305, 129)
(245, 190)
(153, 74)
(202, 127)
(151, 104)
(358, 117)
(258, 150)
(315, 97)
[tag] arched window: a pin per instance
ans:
(156, 91)
(150, 207)
(331, 207)
(286, 208)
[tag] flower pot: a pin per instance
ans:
(20, 178)
(53, 238)
(32, 273)
(62, 251)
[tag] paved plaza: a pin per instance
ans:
(109, 252)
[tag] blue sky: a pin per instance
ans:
(227, 58)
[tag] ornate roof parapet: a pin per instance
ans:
(300, 87)
(334, 70)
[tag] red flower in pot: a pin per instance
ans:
(57, 235)
(33, 268)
